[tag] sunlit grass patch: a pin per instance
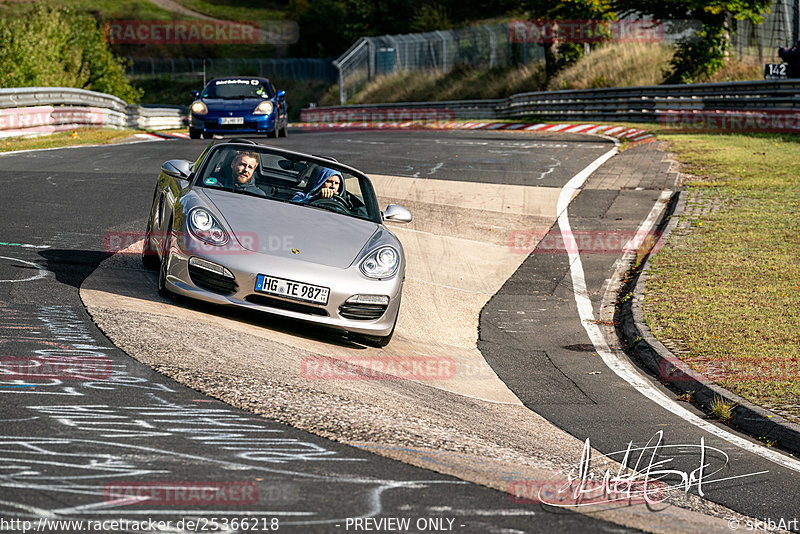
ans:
(81, 136)
(727, 286)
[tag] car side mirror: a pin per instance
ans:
(396, 213)
(177, 168)
(195, 94)
(281, 93)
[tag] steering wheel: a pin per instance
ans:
(335, 203)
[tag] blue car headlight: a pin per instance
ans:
(205, 227)
(381, 263)
(264, 108)
(199, 107)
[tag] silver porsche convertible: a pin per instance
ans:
(278, 231)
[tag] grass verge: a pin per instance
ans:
(725, 291)
(105, 9)
(239, 11)
(83, 136)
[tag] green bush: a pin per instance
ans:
(59, 48)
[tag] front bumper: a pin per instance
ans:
(251, 124)
(245, 267)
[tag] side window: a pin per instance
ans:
(356, 197)
(353, 187)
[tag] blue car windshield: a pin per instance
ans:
(235, 88)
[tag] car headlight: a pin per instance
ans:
(381, 263)
(263, 108)
(199, 107)
(204, 227)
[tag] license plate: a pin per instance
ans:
(231, 120)
(291, 289)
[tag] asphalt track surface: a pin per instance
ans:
(59, 459)
(55, 219)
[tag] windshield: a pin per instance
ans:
(262, 172)
(237, 88)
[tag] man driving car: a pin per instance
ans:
(243, 168)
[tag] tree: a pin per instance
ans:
(560, 55)
(702, 53)
(55, 47)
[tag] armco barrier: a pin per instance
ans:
(157, 118)
(48, 119)
(41, 110)
(630, 104)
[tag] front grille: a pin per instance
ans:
(214, 125)
(212, 281)
(362, 312)
(288, 305)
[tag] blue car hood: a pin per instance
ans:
(245, 105)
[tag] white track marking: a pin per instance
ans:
(622, 367)
(42, 272)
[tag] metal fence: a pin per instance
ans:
(484, 46)
(758, 43)
(488, 46)
(286, 69)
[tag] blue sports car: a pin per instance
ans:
(240, 104)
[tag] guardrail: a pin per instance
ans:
(41, 110)
(404, 111)
(631, 104)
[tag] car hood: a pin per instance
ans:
(240, 104)
(277, 228)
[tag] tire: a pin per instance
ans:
(162, 269)
(149, 255)
(274, 133)
(284, 131)
(194, 134)
(373, 341)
